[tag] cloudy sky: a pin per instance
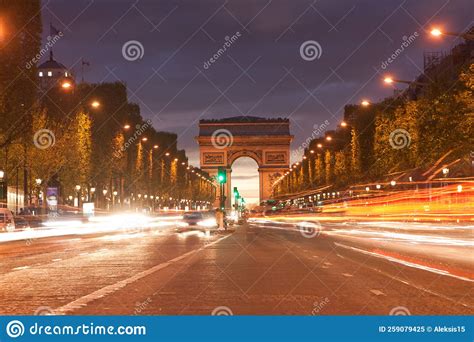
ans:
(262, 73)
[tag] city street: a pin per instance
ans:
(263, 267)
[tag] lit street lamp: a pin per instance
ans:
(390, 80)
(95, 104)
(437, 32)
(365, 103)
(78, 189)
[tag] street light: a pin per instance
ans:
(366, 103)
(127, 126)
(343, 124)
(38, 181)
(144, 139)
(328, 138)
(319, 145)
(390, 80)
(156, 147)
(437, 32)
(66, 85)
(78, 188)
(393, 183)
(95, 104)
(2, 174)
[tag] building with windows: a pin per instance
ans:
(52, 73)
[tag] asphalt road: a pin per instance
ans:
(260, 268)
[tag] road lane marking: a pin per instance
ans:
(107, 290)
(406, 263)
(347, 275)
(20, 268)
(378, 293)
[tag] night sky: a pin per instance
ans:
(262, 73)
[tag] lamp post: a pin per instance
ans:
(78, 189)
(437, 32)
(3, 189)
(104, 192)
(38, 182)
(390, 80)
(114, 195)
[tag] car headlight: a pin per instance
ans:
(208, 222)
(183, 224)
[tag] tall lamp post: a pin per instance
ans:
(104, 192)
(78, 194)
(3, 189)
(38, 188)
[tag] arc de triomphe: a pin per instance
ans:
(267, 141)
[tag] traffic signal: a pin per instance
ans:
(221, 175)
(236, 192)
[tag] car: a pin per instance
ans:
(21, 223)
(199, 220)
(7, 221)
(192, 219)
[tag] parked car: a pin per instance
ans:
(7, 222)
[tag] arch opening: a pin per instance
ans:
(245, 177)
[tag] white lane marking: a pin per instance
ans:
(54, 260)
(107, 290)
(419, 288)
(347, 275)
(406, 263)
(20, 268)
(378, 293)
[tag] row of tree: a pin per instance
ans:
(87, 140)
(429, 125)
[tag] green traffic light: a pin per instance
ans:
(221, 175)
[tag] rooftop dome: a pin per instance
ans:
(51, 63)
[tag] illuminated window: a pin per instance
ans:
(50, 73)
(40, 74)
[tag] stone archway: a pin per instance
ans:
(267, 141)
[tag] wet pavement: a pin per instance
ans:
(252, 270)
